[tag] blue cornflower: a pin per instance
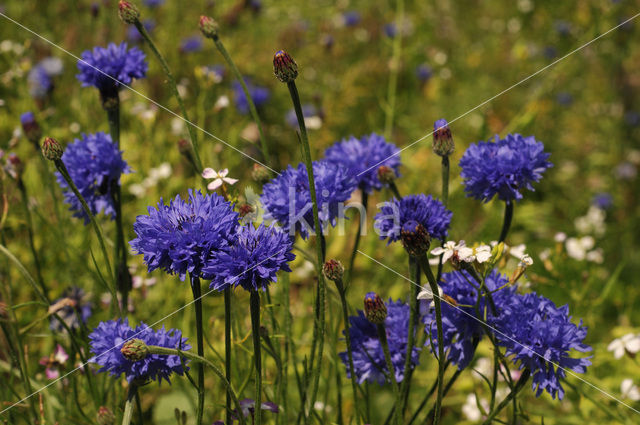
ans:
(121, 66)
(73, 307)
(40, 77)
(390, 30)
(95, 165)
(503, 167)
(424, 72)
(368, 358)
(259, 95)
(107, 340)
(185, 236)
(153, 3)
(460, 325)
(423, 209)
(536, 332)
(602, 200)
(191, 44)
(287, 198)
(363, 157)
(564, 98)
(253, 259)
(351, 18)
(133, 35)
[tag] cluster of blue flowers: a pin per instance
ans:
(95, 165)
(503, 167)
(421, 209)
(107, 340)
(368, 358)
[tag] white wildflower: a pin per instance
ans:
(577, 248)
(629, 390)
(628, 343)
(470, 408)
(592, 222)
(219, 177)
(560, 237)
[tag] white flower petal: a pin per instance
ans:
(209, 173)
(230, 180)
(215, 184)
(223, 173)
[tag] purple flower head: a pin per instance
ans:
(27, 118)
(363, 156)
(390, 30)
(107, 340)
(259, 95)
(368, 358)
(73, 307)
(564, 98)
(185, 236)
(503, 167)
(191, 44)
(422, 209)
(424, 72)
(461, 326)
(121, 66)
(351, 18)
(248, 407)
(540, 337)
(253, 259)
(95, 165)
(602, 200)
(40, 77)
(133, 35)
(153, 3)
(287, 198)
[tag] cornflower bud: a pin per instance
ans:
(15, 166)
(208, 27)
(374, 309)
(442, 140)
(333, 270)
(415, 238)
(284, 67)
(260, 174)
(105, 416)
(31, 129)
(128, 12)
(51, 149)
(245, 209)
(135, 350)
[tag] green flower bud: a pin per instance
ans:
(208, 27)
(333, 270)
(51, 149)
(374, 309)
(128, 12)
(284, 67)
(135, 350)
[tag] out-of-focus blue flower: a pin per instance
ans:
(133, 35)
(423, 209)
(73, 307)
(121, 66)
(550, 52)
(153, 3)
(363, 156)
(258, 94)
(351, 18)
(602, 200)
(390, 30)
(40, 77)
(27, 118)
(95, 165)
(540, 337)
(564, 98)
(632, 118)
(191, 44)
(253, 259)
(424, 72)
(289, 194)
(562, 27)
(107, 341)
(368, 358)
(248, 407)
(503, 167)
(185, 236)
(626, 170)
(460, 325)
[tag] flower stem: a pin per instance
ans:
(506, 224)
(172, 84)
(65, 174)
(287, 331)
(128, 405)
(424, 265)
(195, 288)
(365, 200)
(153, 349)
(514, 392)
(414, 272)
(255, 330)
(32, 245)
(252, 107)
(382, 336)
(445, 181)
(395, 68)
(320, 311)
(347, 336)
(227, 348)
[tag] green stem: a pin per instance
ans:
(395, 68)
(347, 336)
(172, 84)
(424, 265)
(320, 313)
(445, 181)
(394, 190)
(365, 200)
(414, 275)
(153, 349)
(65, 174)
(255, 330)
(227, 348)
(32, 245)
(287, 340)
(506, 224)
(519, 386)
(245, 89)
(382, 336)
(195, 288)
(128, 405)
